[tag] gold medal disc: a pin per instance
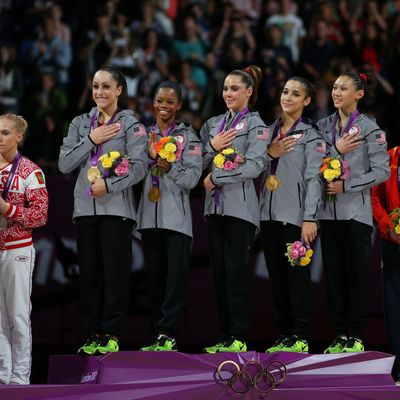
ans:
(93, 174)
(154, 194)
(272, 183)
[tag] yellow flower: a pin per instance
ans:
(397, 229)
(305, 261)
(171, 157)
(219, 160)
(163, 153)
(335, 164)
(103, 157)
(329, 175)
(114, 155)
(170, 147)
(228, 151)
(107, 162)
(309, 253)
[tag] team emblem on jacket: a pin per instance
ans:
(21, 258)
(240, 125)
(180, 139)
(355, 130)
(298, 136)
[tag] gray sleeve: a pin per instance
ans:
(256, 148)
(314, 153)
(136, 146)
(208, 151)
(378, 160)
(75, 149)
(187, 174)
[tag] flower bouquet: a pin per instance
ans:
(333, 169)
(298, 253)
(168, 148)
(114, 164)
(394, 222)
(229, 159)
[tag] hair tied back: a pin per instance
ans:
(363, 77)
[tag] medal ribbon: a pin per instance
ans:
(221, 126)
(11, 176)
(349, 124)
(275, 161)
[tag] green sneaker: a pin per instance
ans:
(232, 345)
(353, 345)
(214, 349)
(277, 346)
(90, 346)
(163, 343)
(107, 344)
(295, 345)
(336, 346)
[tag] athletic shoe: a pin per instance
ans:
(89, 347)
(337, 345)
(107, 344)
(232, 345)
(294, 344)
(214, 349)
(163, 343)
(353, 345)
(277, 346)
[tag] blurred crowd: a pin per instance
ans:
(49, 51)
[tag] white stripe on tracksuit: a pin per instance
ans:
(16, 269)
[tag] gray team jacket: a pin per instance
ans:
(368, 165)
(299, 195)
(238, 195)
(173, 211)
(75, 154)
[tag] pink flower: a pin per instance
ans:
(229, 165)
(294, 254)
(235, 165)
(302, 251)
(179, 149)
(296, 245)
(122, 168)
(124, 162)
(238, 158)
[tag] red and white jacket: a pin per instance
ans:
(28, 200)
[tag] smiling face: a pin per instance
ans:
(345, 94)
(235, 93)
(294, 97)
(105, 91)
(9, 137)
(166, 103)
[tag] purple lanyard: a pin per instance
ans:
(237, 119)
(95, 155)
(11, 175)
(349, 124)
(274, 163)
(166, 133)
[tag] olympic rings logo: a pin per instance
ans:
(251, 374)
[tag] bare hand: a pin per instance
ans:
(335, 187)
(104, 133)
(3, 206)
(98, 188)
(347, 143)
(394, 236)
(309, 232)
(151, 144)
(209, 186)
(223, 139)
(280, 147)
(164, 165)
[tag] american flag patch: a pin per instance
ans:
(139, 130)
(263, 134)
(194, 150)
(380, 138)
(321, 147)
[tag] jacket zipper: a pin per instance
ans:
(244, 192)
(183, 204)
(298, 193)
(94, 207)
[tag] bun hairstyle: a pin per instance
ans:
(251, 76)
(170, 85)
(308, 86)
(20, 124)
(363, 81)
(119, 77)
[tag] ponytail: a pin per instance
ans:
(251, 77)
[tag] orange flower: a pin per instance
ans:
(326, 160)
(323, 168)
(164, 139)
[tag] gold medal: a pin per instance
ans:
(272, 183)
(154, 194)
(93, 174)
(3, 223)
